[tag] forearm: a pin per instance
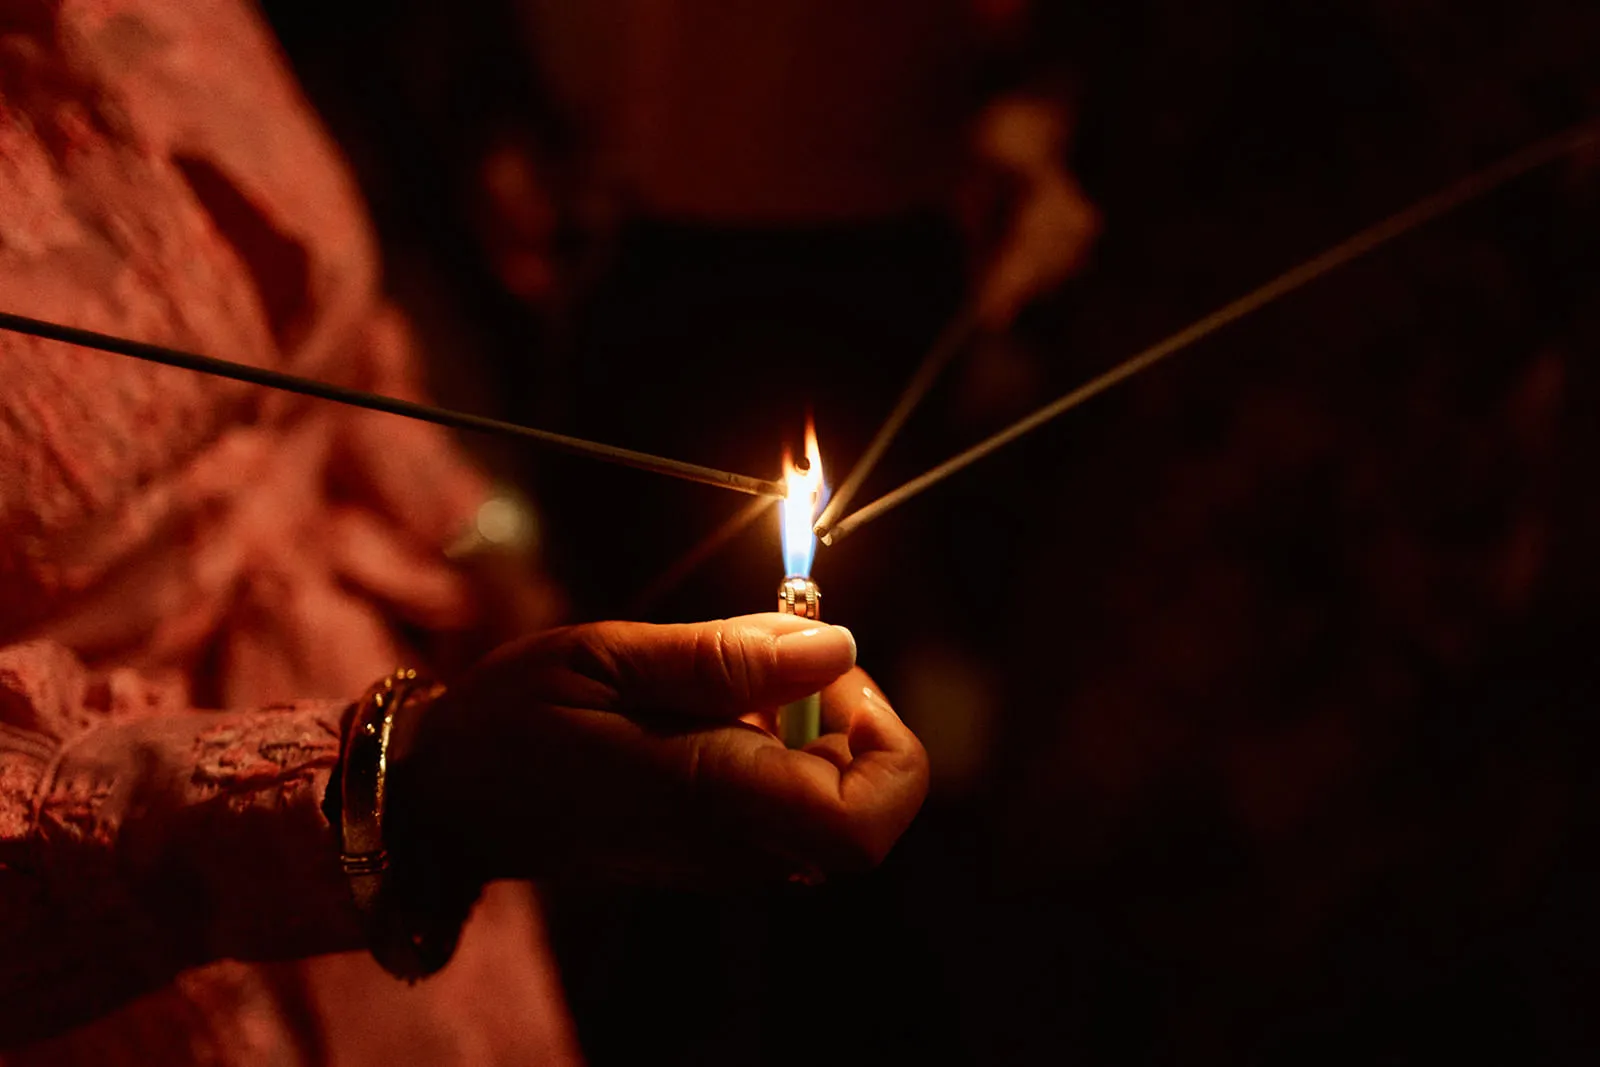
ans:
(148, 842)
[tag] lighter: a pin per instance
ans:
(800, 722)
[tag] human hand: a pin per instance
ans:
(626, 749)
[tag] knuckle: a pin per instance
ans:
(714, 664)
(855, 841)
(730, 660)
(590, 652)
(919, 771)
(861, 838)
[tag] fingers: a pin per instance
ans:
(722, 796)
(840, 804)
(723, 669)
(887, 779)
(843, 698)
(833, 747)
(841, 701)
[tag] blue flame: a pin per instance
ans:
(797, 558)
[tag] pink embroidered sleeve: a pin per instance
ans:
(139, 837)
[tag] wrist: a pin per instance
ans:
(428, 826)
(412, 892)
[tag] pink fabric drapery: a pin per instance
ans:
(170, 542)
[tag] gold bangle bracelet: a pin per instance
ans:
(409, 940)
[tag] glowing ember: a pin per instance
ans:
(796, 514)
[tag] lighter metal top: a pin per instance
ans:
(798, 595)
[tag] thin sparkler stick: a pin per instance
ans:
(1423, 211)
(458, 420)
(951, 341)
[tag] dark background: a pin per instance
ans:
(1259, 692)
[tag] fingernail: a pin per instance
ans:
(845, 630)
(824, 651)
(875, 697)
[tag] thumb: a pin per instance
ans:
(720, 669)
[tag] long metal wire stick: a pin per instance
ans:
(458, 420)
(1423, 211)
(951, 341)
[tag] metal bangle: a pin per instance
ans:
(409, 941)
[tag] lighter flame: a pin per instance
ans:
(798, 511)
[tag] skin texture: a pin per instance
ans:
(647, 752)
